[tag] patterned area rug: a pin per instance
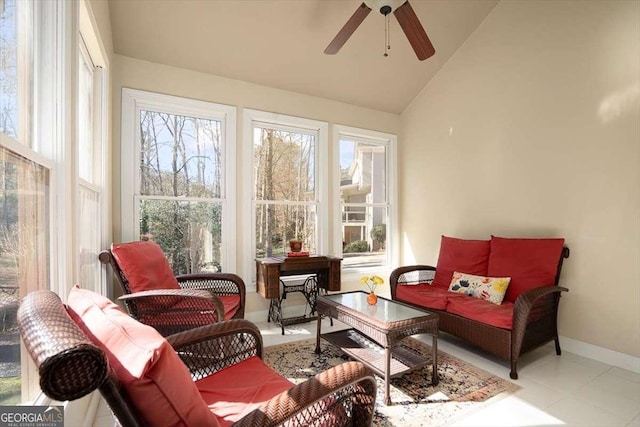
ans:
(463, 388)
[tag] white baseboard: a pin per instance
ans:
(601, 354)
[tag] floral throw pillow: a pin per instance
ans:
(491, 289)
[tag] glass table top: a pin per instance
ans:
(384, 311)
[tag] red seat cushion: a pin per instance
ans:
(530, 263)
(427, 296)
(145, 266)
(191, 313)
(143, 362)
(239, 389)
(196, 312)
(482, 311)
(231, 305)
(466, 256)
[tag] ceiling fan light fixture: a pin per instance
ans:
(385, 7)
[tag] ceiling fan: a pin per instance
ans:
(406, 17)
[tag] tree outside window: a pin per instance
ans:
(285, 189)
(181, 181)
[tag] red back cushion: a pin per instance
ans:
(530, 263)
(144, 265)
(145, 364)
(467, 256)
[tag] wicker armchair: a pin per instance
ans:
(202, 298)
(72, 365)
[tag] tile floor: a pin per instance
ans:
(567, 390)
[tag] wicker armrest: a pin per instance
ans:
(210, 348)
(397, 276)
(339, 394)
(69, 364)
(221, 283)
(533, 305)
(217, 284)
(164, 301)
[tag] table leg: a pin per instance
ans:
(434, 349)
(387, 369)
(318, 327)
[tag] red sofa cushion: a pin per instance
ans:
(239, 389)
(143, 362)
(466, 256)
(427, 296)
(530, 263)
(145, 266)
(483, 311)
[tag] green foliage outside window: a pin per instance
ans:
(379, 234)
(357, 246)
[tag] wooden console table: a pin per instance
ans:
(324, 272)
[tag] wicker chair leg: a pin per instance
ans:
(514, 370)
(558, 351)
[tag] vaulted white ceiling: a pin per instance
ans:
(280, 43)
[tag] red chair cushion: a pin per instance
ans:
(466, 256)
(231, 305)
(483, 311)
(530, 263)
(427, 296)
(239, 389)
(189, 313)
(145, 266)
(144, 363)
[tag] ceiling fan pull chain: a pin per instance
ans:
(388, 33)
(387, 38)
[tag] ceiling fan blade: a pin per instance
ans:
(349, 28)
(414, 31)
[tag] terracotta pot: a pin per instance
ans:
(372, 298)
(295, 245)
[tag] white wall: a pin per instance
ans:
(137, 74)
(533, 129)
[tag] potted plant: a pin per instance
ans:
(372, 282)
(295, 245)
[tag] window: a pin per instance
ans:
(288, 184)
(365, 192)
(24, 244)
(90, 147)
(38, 177)
(15, 70)
(25, 178)
(177, 179)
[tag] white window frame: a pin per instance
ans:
(90, 45)
(52, 28)
(390, 142)
(250, 119)
(133, 101)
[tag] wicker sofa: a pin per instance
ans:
(524, 320)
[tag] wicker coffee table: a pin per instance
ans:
(376, 333)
